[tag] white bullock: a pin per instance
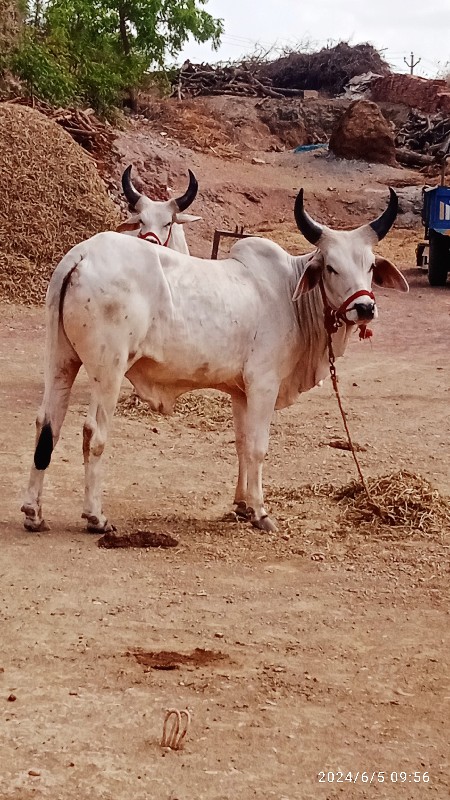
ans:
(251, 325)
(159, 221)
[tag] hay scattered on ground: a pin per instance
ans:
(407, 501)
(190, 124)
(205, 410)
(404, 504)
(52, 198)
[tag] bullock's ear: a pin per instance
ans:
(129, 225)
(310, 277)
(388, 276)
(181, 218)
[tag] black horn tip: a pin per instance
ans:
(129, 190)
(393, 199)
(385, 221)
(298, 205)
(192, 178)
(189, 196)
(306, 225)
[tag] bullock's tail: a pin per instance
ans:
(61, 364)
(44, 447)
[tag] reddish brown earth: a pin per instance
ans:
(335, 642)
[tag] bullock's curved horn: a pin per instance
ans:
(189, 196)
(129, 190)
(385, 221)
(306, 225)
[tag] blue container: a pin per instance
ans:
(436, 209)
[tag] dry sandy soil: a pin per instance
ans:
(334, 642)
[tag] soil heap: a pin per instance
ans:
(52, 198)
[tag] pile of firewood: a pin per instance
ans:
(83, 126)
(242, 80)
(423, 139)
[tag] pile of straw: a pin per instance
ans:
(191, 124)
(51, 198)
(205, 410)
(400, 500)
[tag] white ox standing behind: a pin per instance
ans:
(158, 221)
(251, 325)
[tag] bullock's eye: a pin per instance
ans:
(168, 225)
(331, 270)
(371, 268)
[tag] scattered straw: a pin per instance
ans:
(192, 124)
(52, 198)
(206, 410)
(407, 501)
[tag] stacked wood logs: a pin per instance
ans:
(423, 139)
(242, 80)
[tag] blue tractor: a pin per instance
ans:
(436, 219)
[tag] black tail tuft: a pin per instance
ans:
(44, 447)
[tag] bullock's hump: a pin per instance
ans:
(256, 245)
(261, 254)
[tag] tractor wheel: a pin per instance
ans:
(439, 259)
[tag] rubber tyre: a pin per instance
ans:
(439, 259)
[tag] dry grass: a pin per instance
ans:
(193, 126)
(52, 199)
(404, 505)
(407, 502)
(206, 410)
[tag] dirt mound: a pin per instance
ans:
(363, 132)
(53, 198)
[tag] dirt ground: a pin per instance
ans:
(314, 661)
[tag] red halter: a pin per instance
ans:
(158, 240)
(334, 318)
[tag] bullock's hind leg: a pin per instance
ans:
(50, 417)
(260, 406)
(105, 393)
(239, 405)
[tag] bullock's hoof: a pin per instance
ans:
(265, 524)
(95, 526)
(241, 511)
(33, 520)
(35, 525)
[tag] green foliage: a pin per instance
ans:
(96, 50)
(45, 70)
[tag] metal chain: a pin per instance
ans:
(334, 381)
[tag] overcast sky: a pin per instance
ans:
(396, 26)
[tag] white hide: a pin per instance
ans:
(172, 323)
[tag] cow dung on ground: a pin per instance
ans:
(52, 199)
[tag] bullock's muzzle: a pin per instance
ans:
(365, 311)
(359, 312)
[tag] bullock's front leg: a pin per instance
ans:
(260, 406)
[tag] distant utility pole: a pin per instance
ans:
(411, 63)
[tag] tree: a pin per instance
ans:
(12, 13)
(106, 46)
